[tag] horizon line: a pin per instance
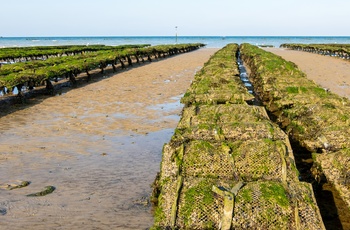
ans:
(97, 36)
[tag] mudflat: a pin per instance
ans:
(99, 145)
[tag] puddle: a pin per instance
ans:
(166, 106)
(169, 106)
(173, 117)
(112, 115)
(344, 86)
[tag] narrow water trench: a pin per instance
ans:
(244, 76)
(333, 209)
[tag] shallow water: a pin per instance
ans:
(244, 75)
(102, 174)
(99, 188)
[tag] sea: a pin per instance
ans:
(210, 41)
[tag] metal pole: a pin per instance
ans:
(176, 34)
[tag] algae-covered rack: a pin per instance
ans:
(69, 61)
(314, 118)
(228, 166)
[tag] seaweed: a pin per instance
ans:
(12, 75)
(47, 190)
(21, 185)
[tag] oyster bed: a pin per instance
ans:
(228, 165)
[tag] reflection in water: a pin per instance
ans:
(169, 106)
(244, 76)
(100, 189)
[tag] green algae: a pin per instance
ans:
(47, 190)
(21, 185)
(203, 192)
(274, 192)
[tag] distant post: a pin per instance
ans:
(176, 34)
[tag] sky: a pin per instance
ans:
(24, 18)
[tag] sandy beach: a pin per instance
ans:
(99, 145)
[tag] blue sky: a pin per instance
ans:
(159, 17)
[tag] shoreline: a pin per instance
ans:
(218, 41)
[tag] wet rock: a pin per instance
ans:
(3, 211)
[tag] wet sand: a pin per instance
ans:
(99, 145)
(329, 72)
